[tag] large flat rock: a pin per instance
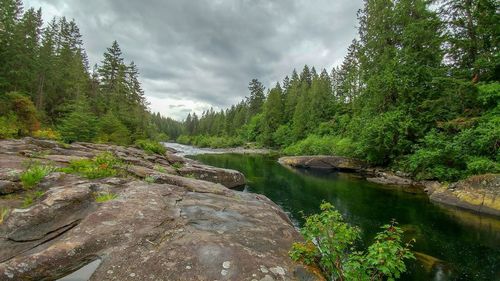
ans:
(168, 228)
(323, 162)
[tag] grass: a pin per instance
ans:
(191, 176)
(160, 169)
(32, 197)
(34, 174)
(151, 147)
(102, 166)
(4, 211)
(177, 165)
(104, 197)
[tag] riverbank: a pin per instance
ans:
(183, 150)
(479, 193)
(131, 215)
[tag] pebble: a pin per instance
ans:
(226, 264)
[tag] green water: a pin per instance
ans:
(466, 245)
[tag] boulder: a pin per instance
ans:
(323, 162)
(9, 187)
(477, 193)
(226, 177)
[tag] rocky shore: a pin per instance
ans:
(160, 217)
(478, 193)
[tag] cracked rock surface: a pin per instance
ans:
(169, 228)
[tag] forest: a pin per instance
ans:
(418, 92)
(48, 89)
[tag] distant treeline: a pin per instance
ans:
(47, 88)
(418, 91)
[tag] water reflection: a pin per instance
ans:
(457, 245)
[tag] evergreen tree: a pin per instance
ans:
(257, 97)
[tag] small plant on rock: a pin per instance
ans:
(4, 211)
(177, 165)
(150, 179)
(102, 166)
(330, 244)
(151, 147)
(34, 174)
(160, 169)
(104, 197)
(32, 197)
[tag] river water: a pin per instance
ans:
(451, 244)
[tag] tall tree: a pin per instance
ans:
(257, 97)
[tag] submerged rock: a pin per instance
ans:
(168, 228)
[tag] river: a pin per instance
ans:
(451, 244)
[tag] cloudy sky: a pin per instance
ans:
(198, 54)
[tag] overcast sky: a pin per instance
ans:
(198, 54)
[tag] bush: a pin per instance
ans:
(481, 165)
(184, 139)
(32, 197)
(383, 138)
(151, 146)
(330, 244)
(19, 116)
(326, 145)
(8, 127)
(47, 134)
(102, 166)
(34, 174)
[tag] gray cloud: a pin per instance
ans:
(198, 54)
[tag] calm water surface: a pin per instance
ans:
(451, 244)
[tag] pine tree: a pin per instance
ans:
(273, 114)
(257, 97)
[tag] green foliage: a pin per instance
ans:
(482, 165)
(177, 165)
(151, 147)
(104, 197)
(150, 179)
(210, 141)
(384, 137)
(19, 116)
(47, 134)
(34, 174)
(79, 125)
(160, 169)
(112, 130)
(31, 197)
(326, 145)
(330, 244)
(101, 166)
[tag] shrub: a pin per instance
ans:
(184, 139)
(151, 147)
(8, 126)
(481, 165)
(326, 145)
(330, 244)
(47, 134)
(383, 138)
(19, 116)
(102, 166)
(34, 174)
(104, 197)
